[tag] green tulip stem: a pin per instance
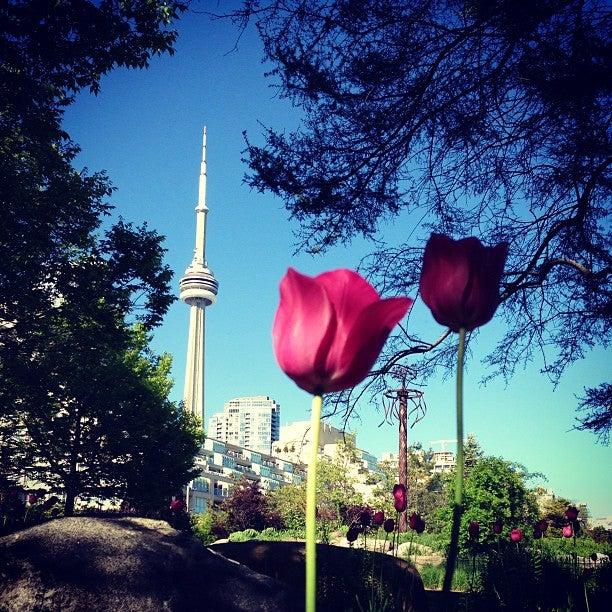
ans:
(311, 508)
(457, 508)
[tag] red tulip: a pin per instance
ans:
(329, 330)
(567, 531)
(378, 519)
(416, 523)
(400, 497)
(542, 525)
(176, 505)
(474, 529)
(571, 513)
(389, 525)
(50, 502)
(516, 535)
(537, 533)
(32, 498)
(351, 534)
(497, 526)
(460, 280)
(365, 518)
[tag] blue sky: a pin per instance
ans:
(144, 129)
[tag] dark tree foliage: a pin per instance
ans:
(487, 118)
(50, 50)
(73, 403)
(248, 508)
(596, 411)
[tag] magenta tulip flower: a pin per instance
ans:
(571, 513)
(516, 535)
(329, 330)
(416, 523)
(474, 529)
(32, 498)
(352, 534)
(537, 533)
(567, 531)
(389, 525)
(378, 519)
(542, 525)
(365, 519)
(460, 280)
(400, 497)
(497, 527)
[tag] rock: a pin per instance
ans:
(344, 574)
(126, 564)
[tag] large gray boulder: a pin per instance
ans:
(131, 564)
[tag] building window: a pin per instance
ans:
(199, 505)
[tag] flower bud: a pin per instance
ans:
(400, 497)
(474, 529)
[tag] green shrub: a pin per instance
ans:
(244, 536)
(433, 577)
(209, 526)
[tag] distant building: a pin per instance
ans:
(443, 461)
(223, 465)
(295, 444)
(295, 440)
(250, 422)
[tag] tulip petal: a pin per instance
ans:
(303, 329)
(353, 358)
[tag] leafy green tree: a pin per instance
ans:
(468, 117)
(289, 502)
(50, 51)
(335, 486)
(69, 290)
(495, 489)
(107, 429)
(472, 453)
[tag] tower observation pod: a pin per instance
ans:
(198, 289)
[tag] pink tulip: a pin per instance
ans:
(474, 529)
(378, 519)
(329, 330)
(516, 535)
(567, 531)
(460, 280)
(400, 497)
(571, 513)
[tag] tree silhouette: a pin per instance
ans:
(467, 117)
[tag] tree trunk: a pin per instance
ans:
(403, 453)
(73, 479)
(69, 502)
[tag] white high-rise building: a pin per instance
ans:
(198, 290)
(250, 422)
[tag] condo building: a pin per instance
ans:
(251, 422)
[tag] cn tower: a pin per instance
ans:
(198, 289)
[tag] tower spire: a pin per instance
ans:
(198, 289)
